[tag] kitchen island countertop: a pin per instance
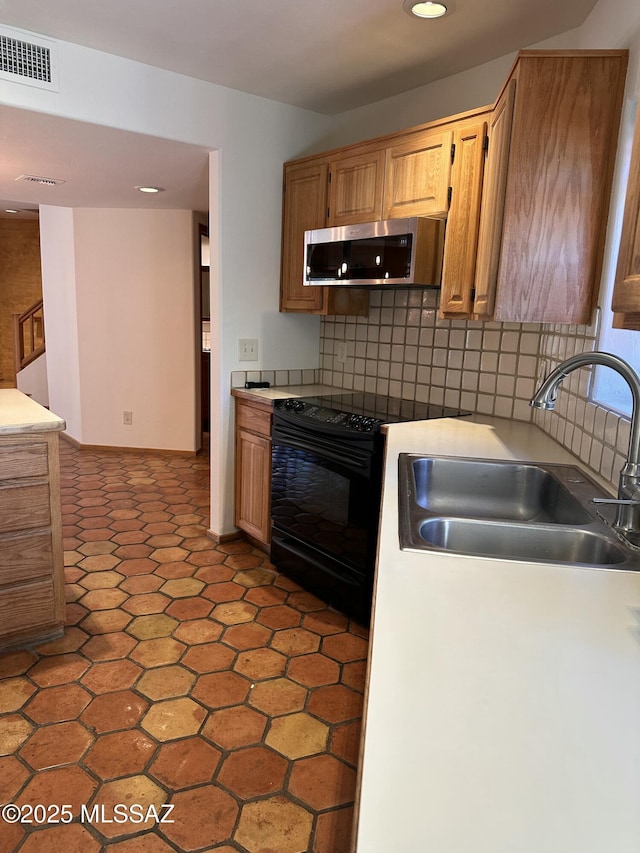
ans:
(503, 700)
(20, 414)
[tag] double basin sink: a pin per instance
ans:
(508, 510)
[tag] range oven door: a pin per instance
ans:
(325, 500)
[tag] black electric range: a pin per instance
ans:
(327, 457)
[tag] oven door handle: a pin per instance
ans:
(355, 459)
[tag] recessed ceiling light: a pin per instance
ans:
(10, 210)
(428, 9)
(150, 189)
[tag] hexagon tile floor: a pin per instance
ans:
(190, 675)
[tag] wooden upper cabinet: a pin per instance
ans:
(558, 183)
(305, 201)
(304, 208)
(418, 174)
(355, 188)
(461, 242)
(626, 292)
(493, 190)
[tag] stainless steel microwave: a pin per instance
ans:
(395, 252)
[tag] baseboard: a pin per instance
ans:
(221, 538)
(119, 449)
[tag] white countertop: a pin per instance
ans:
(278, 392)
(503, 706)
(20, 414)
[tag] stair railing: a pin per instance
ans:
(28, 335)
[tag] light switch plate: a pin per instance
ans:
(247, 349)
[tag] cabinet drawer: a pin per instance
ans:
(26, 605)
(23, 460)
(254, 419)
(25, 556)
(23, 507)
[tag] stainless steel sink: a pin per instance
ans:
(546, 543)
(479, 489)
(507, 510)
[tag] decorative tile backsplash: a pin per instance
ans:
(404, 350)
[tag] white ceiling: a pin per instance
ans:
(327, 56)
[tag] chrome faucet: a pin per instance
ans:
(628, 500)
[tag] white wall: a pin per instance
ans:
(254, 137)
(60, 315)
(32, 380)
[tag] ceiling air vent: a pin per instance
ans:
(34, 179)
(27, 58)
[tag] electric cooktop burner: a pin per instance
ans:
(361, 412)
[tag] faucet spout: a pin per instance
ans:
(628, 517)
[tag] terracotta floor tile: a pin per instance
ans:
(51, 746)
(72, 838)
(14, 692)
(158, 652)
(112, 711)
(57, 704)
(46, 786)
(247, 636)
(279, 616)
(274, 824)
(14, 730)
(235, 727)
(197, 631)
(209, 657)
(333, 831)
(345, 741)
(322, 781)
(234, 612)
(57, 669)
(120, 754)
(188, 670)
(295, 641)
(258, 664)
(16, 663)
(253, 772)
(185, 763)
(13, 775)
(110, 676)
(278, 696)
(204, 817)
(138, 789)
(313, 670)
(225, 591)
(190, 608)
(173, 719)
(297, 735)
(151, 627)
(335, 703)
(166, 682)
(221, 689)
(109, 646)
(345, 647)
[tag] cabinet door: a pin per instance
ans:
(304, 208)
(418, 175)
(253, 485)
(493, 191)
(461, 241)
(626, 292)
(356, 185)
(563, 144)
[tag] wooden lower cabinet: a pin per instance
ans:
(253, 470)
(32, 603)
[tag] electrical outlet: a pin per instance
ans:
(341, 352)
(127, 418)
(247, 349)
